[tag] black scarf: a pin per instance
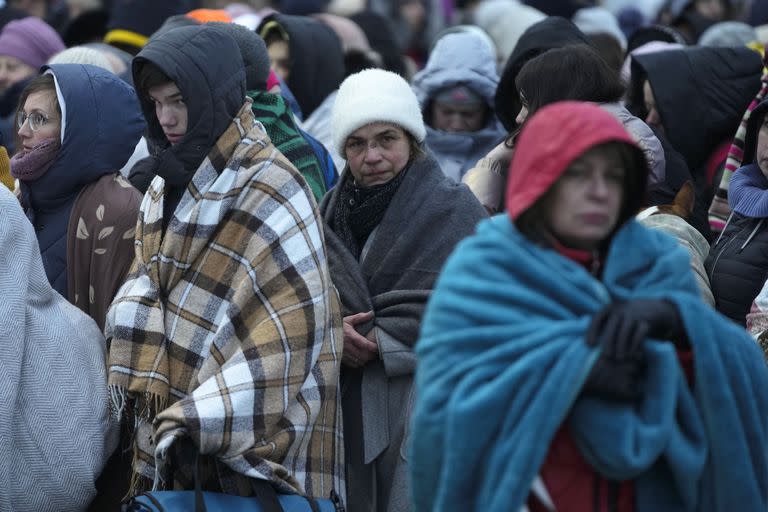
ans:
(360, 209)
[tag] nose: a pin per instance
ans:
(25, 131)
(456, 123)
(372, 153)
(599, 187)
(165, 117)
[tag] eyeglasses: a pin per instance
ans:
(36, 120)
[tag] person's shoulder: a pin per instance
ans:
(272, 176)
(113, 199)
(459, 195)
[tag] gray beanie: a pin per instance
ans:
(82, 55)
(254, 53)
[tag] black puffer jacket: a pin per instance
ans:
(738, 262)
(737, 266)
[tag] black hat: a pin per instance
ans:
(133, 21)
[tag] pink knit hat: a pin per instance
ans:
(30, 40)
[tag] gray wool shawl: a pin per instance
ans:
(55, 428)
(428, 215)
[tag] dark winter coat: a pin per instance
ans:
(738, 262)
(737, 266)
(724, 81)
(102, 124)
(425, 219)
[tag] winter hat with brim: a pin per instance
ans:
(552, 139)
(30, 40)
(375, 96)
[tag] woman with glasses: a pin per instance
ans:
(77, 125)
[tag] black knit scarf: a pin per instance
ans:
(360, 209)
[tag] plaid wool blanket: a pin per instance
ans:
(227, 332)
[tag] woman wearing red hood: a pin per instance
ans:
(562, 343)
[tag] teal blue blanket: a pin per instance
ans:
(502, 359)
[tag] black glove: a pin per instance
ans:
(617, 372)
(621, 328)
(664, 321)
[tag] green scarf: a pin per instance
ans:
(272, 111)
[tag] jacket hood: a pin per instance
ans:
(459, 58)
(101, 125)
(556, 136)
(317, 59)
(725, 80)
(553, 32)
(753, 127)
(213, 88)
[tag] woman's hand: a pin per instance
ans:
(359, 350)
(621, 329)
(501, 154)
(617, 372)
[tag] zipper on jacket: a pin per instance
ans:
(717, 258)
(727, 222)
(752, 234)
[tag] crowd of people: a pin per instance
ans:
(405, 255)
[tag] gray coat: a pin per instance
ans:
(428, 215)
(460, 58)
(56, 432)
(645, 139)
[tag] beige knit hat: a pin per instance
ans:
(82, 55)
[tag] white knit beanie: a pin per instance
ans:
(372, 96)
(82, 55)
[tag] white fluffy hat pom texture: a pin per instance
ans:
(371, 96)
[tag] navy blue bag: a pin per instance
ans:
(266, 499)
(176, 501)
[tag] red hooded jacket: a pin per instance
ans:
(552, 139)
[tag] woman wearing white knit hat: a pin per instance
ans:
(389, 224)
